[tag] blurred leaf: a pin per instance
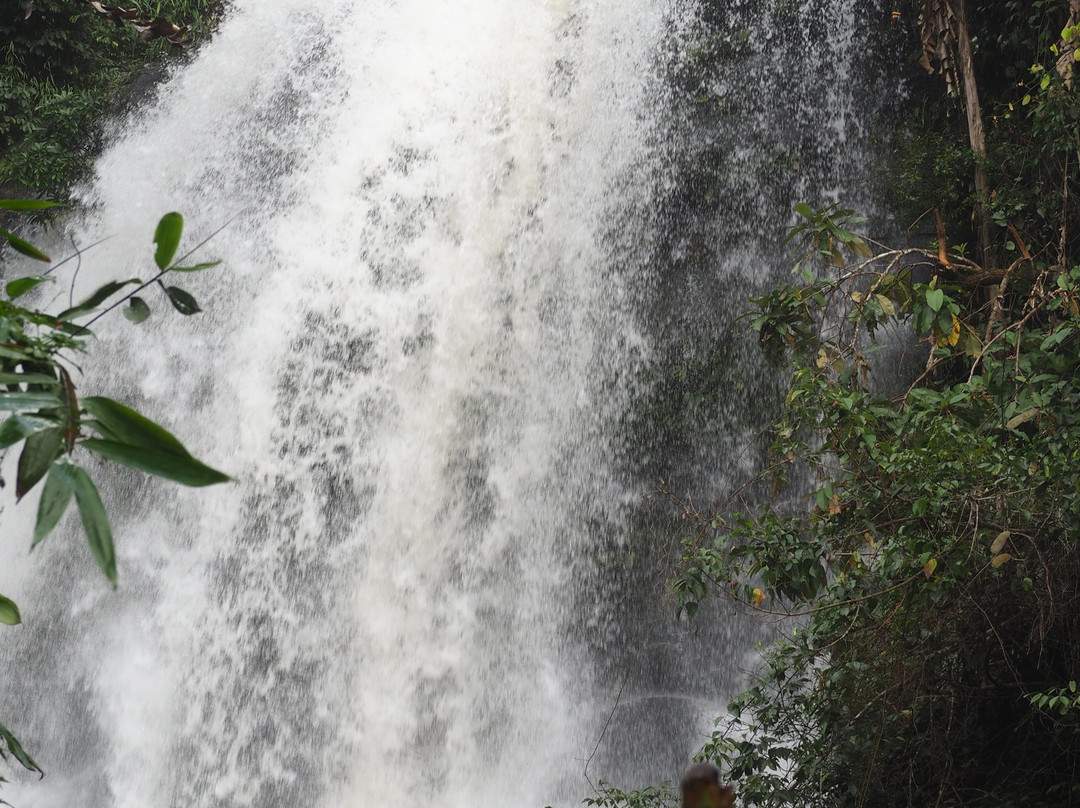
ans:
(16, 750)
(196, 268)
(28, 204)
(20, 286)
(9, 612)
(137, 311)
(38, 454)
(27, 401)
(24, 247)
(55, 496)
(167, 238)
(97, 298)
(18, 427)
(999, 542)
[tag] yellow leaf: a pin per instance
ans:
(857, 297)
(929, 567)
(1000, 559)
(1022, 418)
(759, 597)
(834, 505)
(999, 542)
(822, 358)
(954, 334)
(886, 305)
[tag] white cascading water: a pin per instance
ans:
(412, 361)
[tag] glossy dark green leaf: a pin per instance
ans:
(96, 299)
(196, 268)
(181, 300)
(19, 427)
(13, 402)
(167, 238)
(28, 204)
(95, 522)
(55, 496)
(137, 311)
(20, 286)
(129, 426)
(16, 750)
(182, 469)
(24, 247)
(38, 454)
(9, 612)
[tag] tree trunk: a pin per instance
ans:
(976, 133)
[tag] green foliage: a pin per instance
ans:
(45, 414)
(936, 569)
(62, 68)
(607, 796)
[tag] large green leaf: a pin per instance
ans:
(20, 286)
(95, 522)
(183, 469)
(129, 426)
(167, 238)
(17, 427)
(14, 402)
(9, 612)
(55, 496)
(16, 750)
(25, 247)
(29, 204)
(38, 454)
(96, 299)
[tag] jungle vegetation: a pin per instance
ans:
(929, 586)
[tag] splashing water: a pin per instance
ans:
(414, 361)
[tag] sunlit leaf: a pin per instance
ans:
(934, 299)
(929, 567)
(9, 612)
(28, 204)
(999, 542)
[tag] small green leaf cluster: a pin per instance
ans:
(42, 411)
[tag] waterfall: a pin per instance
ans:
(454, 256)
